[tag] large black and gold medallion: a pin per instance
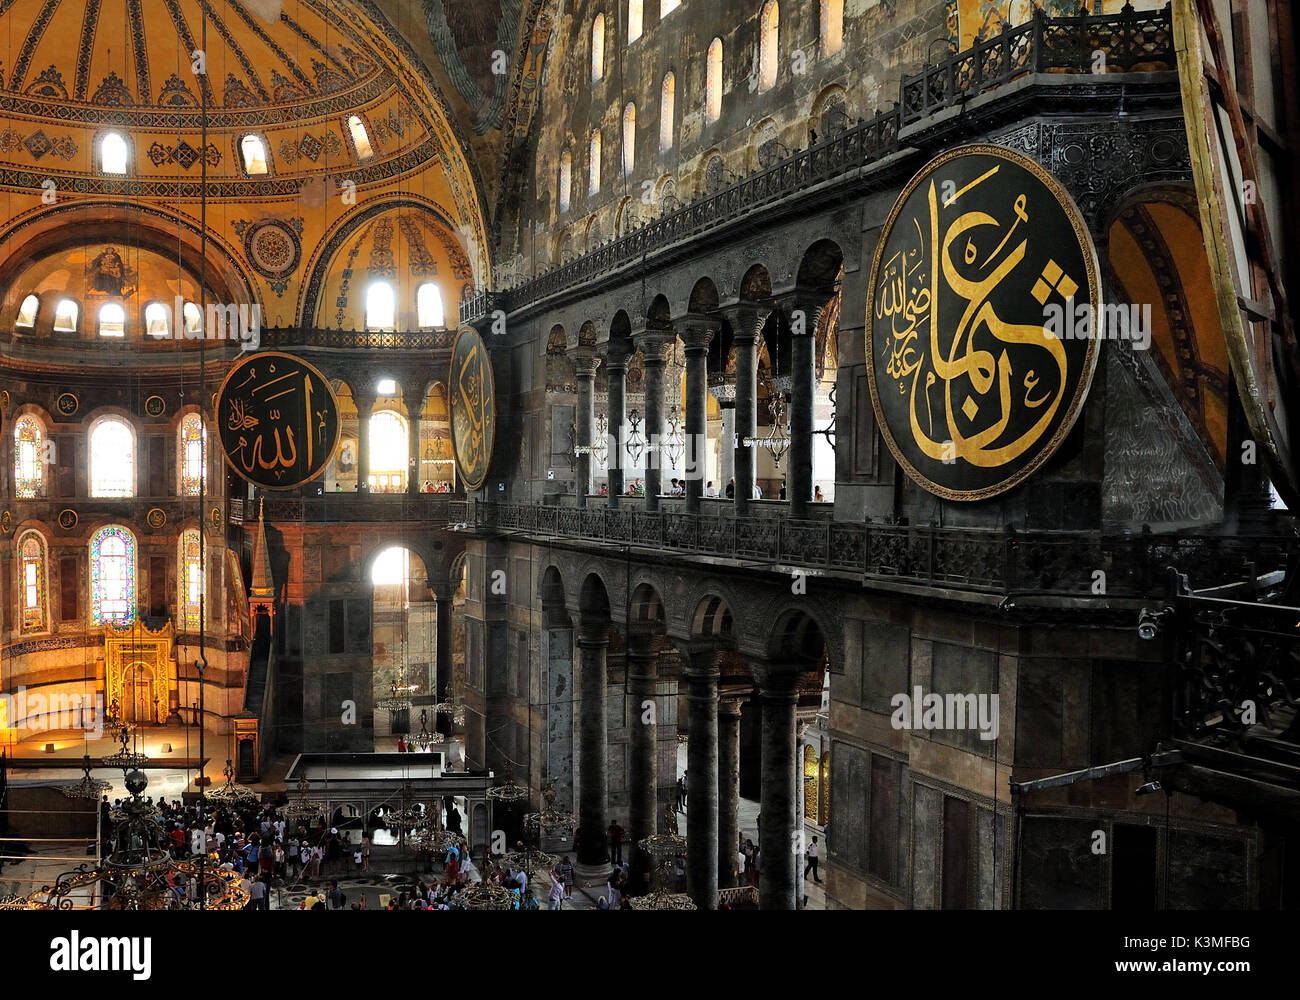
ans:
(278, 420)
(977, 358)
(473, 408)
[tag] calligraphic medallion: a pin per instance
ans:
(977, 356)
(473, 407)
(278, 420)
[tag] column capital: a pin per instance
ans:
(585, 361)
(592, 632)
(776, 681)
(732, 699)
(615, 354)
(697, 331)
(364, 401)
(746, 318)
(807, 300)
(725, 394)
(656, 343)
(699, 658)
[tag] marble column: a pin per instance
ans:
(728, 787)
(365, 404)
(593, 750)
(778, 693)
(585, 363)
(442, 640)
(747, 320)
(726, 397)
(616, 369)
(413, 396)
(697, 332)
(701, 675)
(655, 343)
(643, 779)
(803, 310)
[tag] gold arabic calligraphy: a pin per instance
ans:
(241, 418)
(913, 286)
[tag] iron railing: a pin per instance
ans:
(1061, 563)
(1126, 41)
(364, 507)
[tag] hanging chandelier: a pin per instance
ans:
(509, 790)
(433, 838)
(410, 815)
(126, 758)
(485, 895)
(424, 739)
(663, 848)
(455, 708)
(529, 859)
(551, 817)
(301, 811)
(778, 438)
(86, 787)
(399, 698)
(232, 794)
(674, 442)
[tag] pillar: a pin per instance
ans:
(701, 676)
(654, 343)
(364, 405)
(593, 750)
(726, 397)
(778, 693)
(413, 396)
(697, 332)
(442, 640)
(802, 310)
(643, 779)
(728, 788)
(585, 363)
(616, 369)
(747, 320)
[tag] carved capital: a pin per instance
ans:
(656, 344)
(697, 332)
(746, 319)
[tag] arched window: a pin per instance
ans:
(112, 154)
(360, 138)
(769, 23)
(593, 182)
(112, 576)
(65, 316)
(428, 306)
(666, 7)
(29, 464)
(667, 106)
(633, 20)
(193, 317)
(713, 83)
(112, 320)
(392, 567)
(831, 26)
(27, 311)
(381, 307)
(629, 139)
(566, 180)
(112, 459)
(157, 320)
(31, 556)
(253, 150)
(191, 445)
(190, 576)
(389, 452)
(598, 48)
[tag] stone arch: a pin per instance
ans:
(756, 284)
(704, 297)
(798, 636)
(829, 113)
(550, 590)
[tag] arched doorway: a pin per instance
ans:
(404, 616)
(139, 705)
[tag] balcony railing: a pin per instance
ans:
(363, 507)
(1059, 563)
(1106, 43)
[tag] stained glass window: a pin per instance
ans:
(769, 22)
(112, 460)
(832, 26)
(112, 576)
(598, 48)
(29, 469)
(629, 139)
(191, 580)
(713, 82)
(634, 14)
(667, 107)
(32, 557)
(566, 179)
(192, 444)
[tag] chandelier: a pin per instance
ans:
(433, 839)
(126, 758)
(455, 708)
(674, 441)
(301, 811)
(400, 691)
(600, 447)
(509, 790)
(411, 814)
(424, 739)
(663, 848)
(485, 895)
(777, 441)
(635, 443)
(87, 787)
(529, 859)
(113, 715)
(231, 794)
(551, 818)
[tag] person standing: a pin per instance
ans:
(257, 892)
(557, 891)
(566, 875)
(337, 897)
(615, 842)
(811, 864)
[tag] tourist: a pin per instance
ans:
(365, 853)
(602, 903)
(258, 895)
(557, 890)
(615, 842)
(710, 490)
(337, 897)
(811, 864)
(782, 493)
(817, 495)
(731, 489)
(566, 873)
